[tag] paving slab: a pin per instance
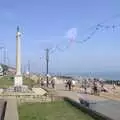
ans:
(2, 107)
(11, 110)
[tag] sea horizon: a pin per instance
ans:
(103, 75)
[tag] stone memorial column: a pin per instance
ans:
(18, 81)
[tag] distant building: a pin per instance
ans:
(11, 70)
(1, 70)
(5, 69)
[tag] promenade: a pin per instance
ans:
(110, 108)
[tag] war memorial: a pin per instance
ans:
(21, 102)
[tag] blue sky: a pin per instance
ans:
(45, 24)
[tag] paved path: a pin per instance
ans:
(2, 106)
(76, 95)
(11, 110)
(105, 106)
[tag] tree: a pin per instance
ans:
(5, 68)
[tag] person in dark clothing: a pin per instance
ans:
(42, 83)
(53, 83)
(69, 84)
(85, 86)
(95, 87)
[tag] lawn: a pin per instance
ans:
(7, 81)
(59, 110)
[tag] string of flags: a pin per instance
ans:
(95, 30)
(98, 28)
(71, 34)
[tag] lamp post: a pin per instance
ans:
(4, 54)
(47, 65)
(29, 72)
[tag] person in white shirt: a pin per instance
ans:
(45, 82)
(66, 84)
(73, 84)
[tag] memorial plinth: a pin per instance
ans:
(18, 80)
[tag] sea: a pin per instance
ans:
(103, 75)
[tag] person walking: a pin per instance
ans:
(42, 83)
(69, 84)
(53, 83)
(66, 84)
(73, 84)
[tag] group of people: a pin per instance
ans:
(50, 82)
(69, 84)
(95, 85)
(95, 88)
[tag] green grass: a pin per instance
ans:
(59, 110)
(7, 81)
(27, 81)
